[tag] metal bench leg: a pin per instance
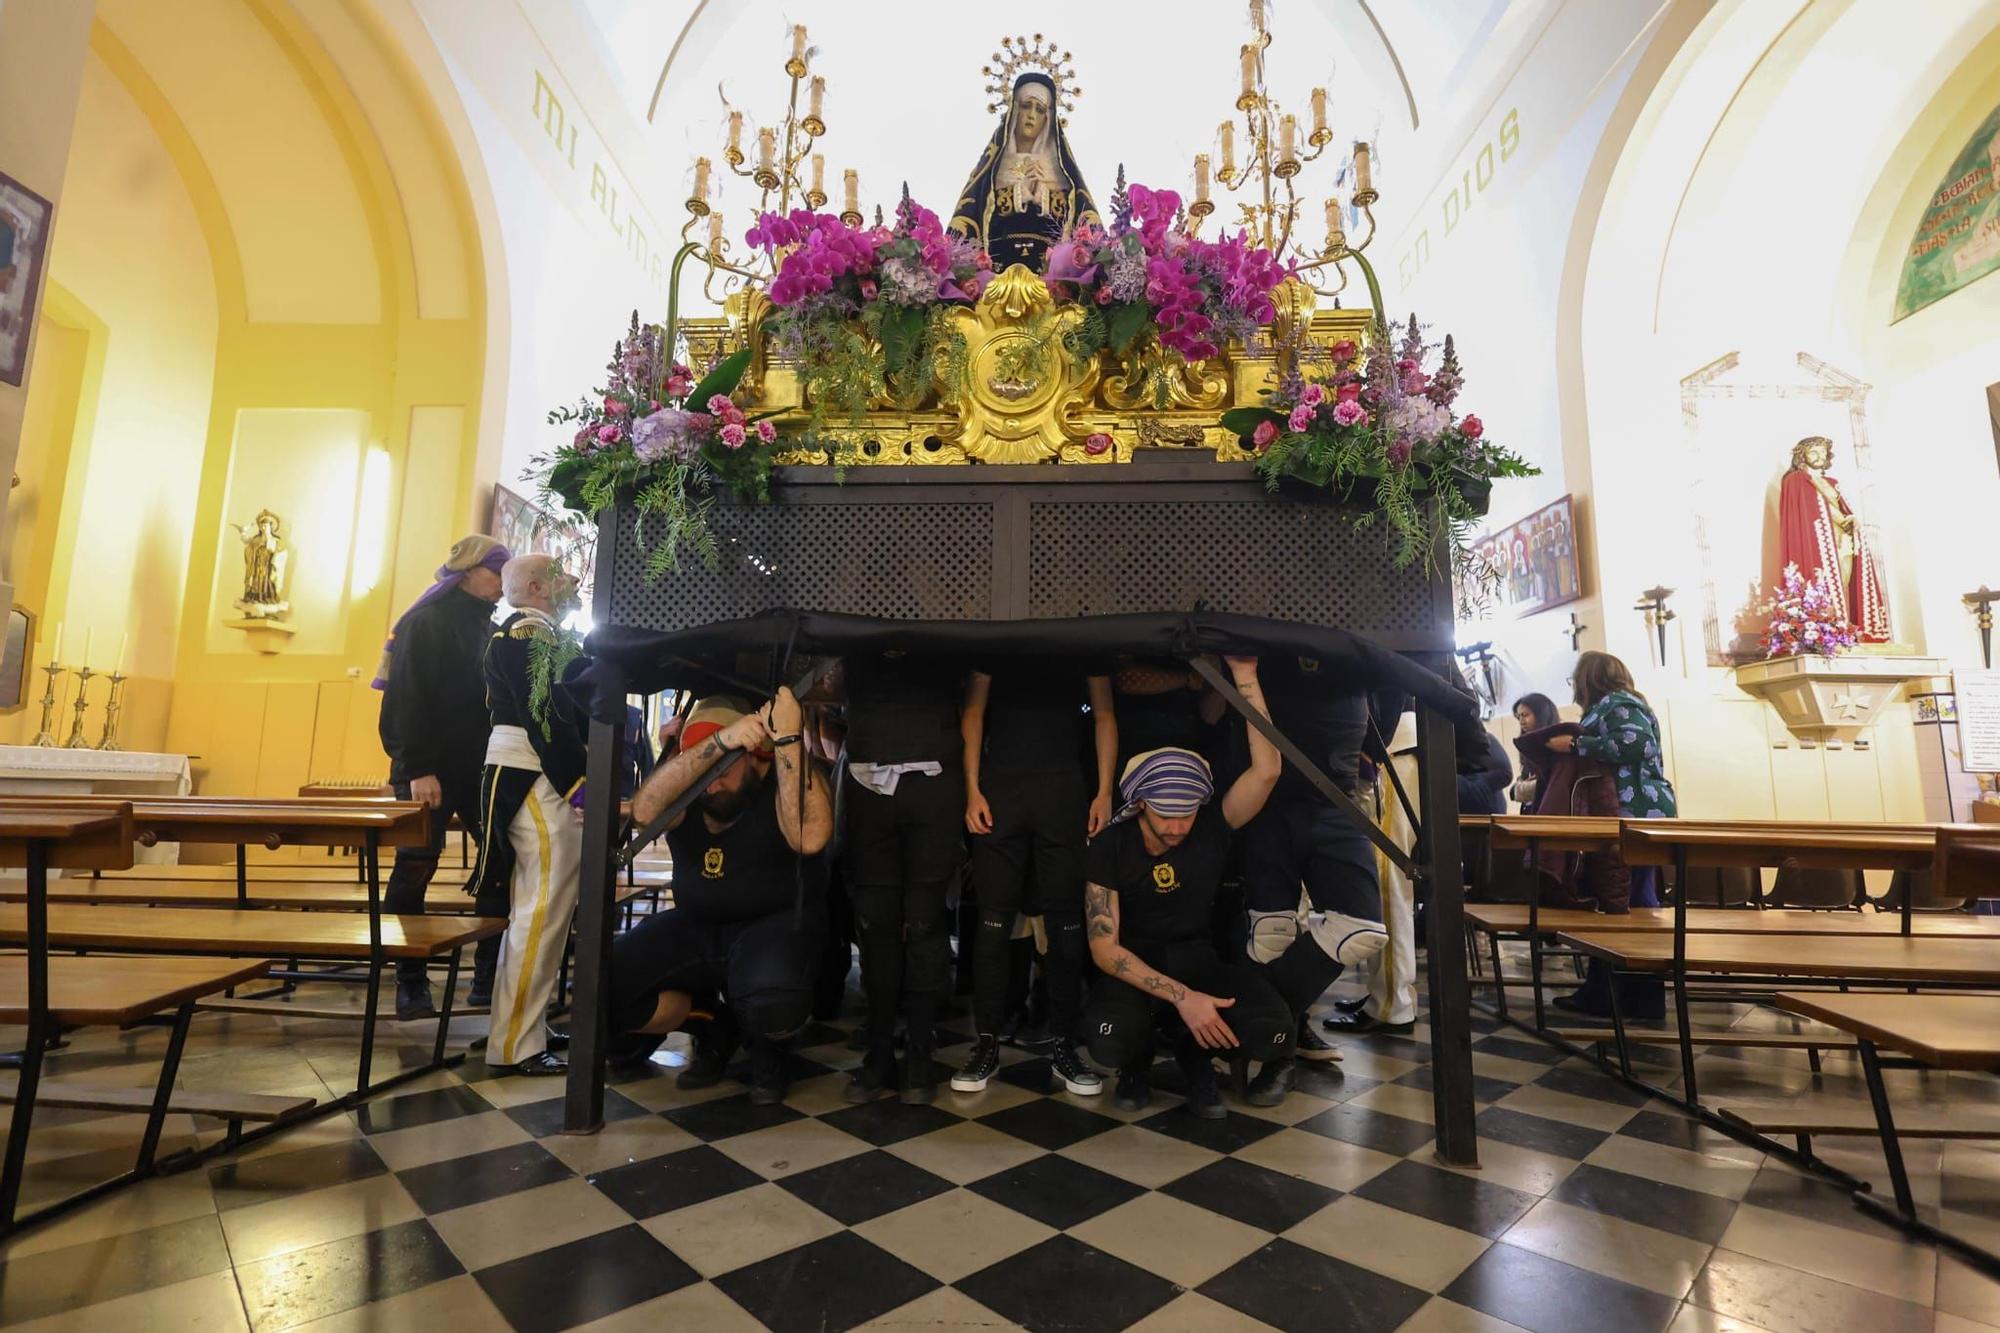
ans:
(1499, 978)
(1892, 1147)
(170, 1069)
(444, 1010)
(16, 1165)
(1535, 932)
(1618, 1027)
(372, 867)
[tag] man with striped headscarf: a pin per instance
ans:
(1150, 902)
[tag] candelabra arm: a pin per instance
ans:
(674, 296)
(1374, 287)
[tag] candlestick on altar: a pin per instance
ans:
(112, 703)
(83, 675)
(46, 737)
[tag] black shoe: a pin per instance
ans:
(919, 1083)
(1577, 1003)
(876, 1078)
(1272, 1084)
(714, 1043)
(1353, 1006)
(1360, 1025)
(768, 1082)
(1204, 1098)
(558, 1039)
(1078, 1078)
(1312, 1046)
(1135, 1089)
(542, 1065)
(978, 1067)
(630, 1053)
(413, 1000)
(859, 1040)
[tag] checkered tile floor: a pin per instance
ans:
(456, 1202)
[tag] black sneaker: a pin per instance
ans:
(1353, 1006)
(1360, 1025)
(1135, 1089)
(1273, 1083)
(768, 1082)
(542, 1064)
(1312, 1046)
(1204, 1098)
(979, 1065)
(875, 1078)
(919, 1083)
(714, 1044)
(413, 1000)
(631, 1053)
(1077, 1077)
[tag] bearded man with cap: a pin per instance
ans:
(749, 899)
(1149, 903)
(534, 775)
(434, 726)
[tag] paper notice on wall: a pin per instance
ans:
(1978, 719)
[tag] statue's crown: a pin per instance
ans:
(1023, 54)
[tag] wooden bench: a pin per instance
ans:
(1513, 918)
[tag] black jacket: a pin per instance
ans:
(561, 747)
(1483, 775)
(434, 720)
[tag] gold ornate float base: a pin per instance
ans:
(1027, 401)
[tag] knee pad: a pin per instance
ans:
(1347, 940)
(1271, 933)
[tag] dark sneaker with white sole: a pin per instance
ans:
(979, 1066)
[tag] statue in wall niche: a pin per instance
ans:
(265, 556)
(1026, 191)
(1820, 533)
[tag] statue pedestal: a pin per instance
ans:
(1832, 699)
(266, 636)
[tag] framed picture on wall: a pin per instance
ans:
(522, 526)
(24, 247)
(1536, 560)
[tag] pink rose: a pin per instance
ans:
(1347, 393)
(584, 435)
(766, 431)
(680, 386)
(983, 260)
(1099, 443)
(1313, 396)
(609, 434)
(1266, 432)
(1302, 419)
(868, 289)
(732, 435)
(1104, 296)
(1344, 350)
(1347, 412)
(1406, 365)
(720, 406)
(1472, 428)
(679, 371)
(972, 287)
(655, 407)
(616, 407)
(1399, 453)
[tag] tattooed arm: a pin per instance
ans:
(666, 782)
(1200, 1012)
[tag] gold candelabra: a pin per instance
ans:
(1266, 176)
(76, 740)
(112, 703)
(46, 737)
(785, 169)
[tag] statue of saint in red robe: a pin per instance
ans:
(1821, 535)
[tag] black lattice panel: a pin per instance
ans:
(1262, 555)
(870, 556)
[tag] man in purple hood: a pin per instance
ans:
(434, 727)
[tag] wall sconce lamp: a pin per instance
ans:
(1653, 602)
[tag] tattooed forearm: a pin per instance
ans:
(1158, 984)
(1097, 910)
(1122, 966)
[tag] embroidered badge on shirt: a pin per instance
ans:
(1164, 878)
(711, 863)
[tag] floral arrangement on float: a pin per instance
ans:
(842, 292)
(1143, 273)
(1807, 619)
(658, 434)
(1379, 430)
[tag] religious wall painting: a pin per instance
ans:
(1536, 560)
(522, 526)
(1958, 237)
(24, 244)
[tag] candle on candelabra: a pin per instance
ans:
(1201, 178)
(736, 132)
(124, 641)
(1228, 136)
(715, 233)
(1364, 181)
(55, 654)
(850, 181)
(89, 636)
(1335, 235)
(1288, 134)
(767, 150)
(819, 173)
(798, 41)
(1257, 14)
(1249, 70)
(1319, 110)
(818, 95)
(701, 179)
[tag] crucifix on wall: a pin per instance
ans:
(1575, 632)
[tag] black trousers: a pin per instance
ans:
(1032, 861)
(1121, 1019)
(410, 875)
(1310, 842)
(901, 854)
(763, 967)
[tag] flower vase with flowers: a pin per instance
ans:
(1143, 273)
(841, 291)
(665, 439)
(1806, 619)
(1378, 431)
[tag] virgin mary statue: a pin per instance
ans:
(1026, 191)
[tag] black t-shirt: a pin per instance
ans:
(1169, 898)
(902, 709)
(1321, 714)
(747, 870)
(1035, 714)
